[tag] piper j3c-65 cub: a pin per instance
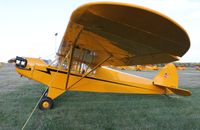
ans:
(106, 34)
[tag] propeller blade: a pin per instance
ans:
(13, 60)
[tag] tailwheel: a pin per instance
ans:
(45, 103)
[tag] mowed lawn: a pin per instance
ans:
(103, 111)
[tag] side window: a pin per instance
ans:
(82, 60)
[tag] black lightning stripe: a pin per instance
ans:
(49, 70)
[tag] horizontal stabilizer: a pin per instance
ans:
(179, 91)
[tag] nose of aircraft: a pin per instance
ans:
(20, 62)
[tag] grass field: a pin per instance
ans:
(89, 111)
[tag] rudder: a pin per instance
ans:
(168, 79)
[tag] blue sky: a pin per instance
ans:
(27, 27)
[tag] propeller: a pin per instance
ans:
(13, 60)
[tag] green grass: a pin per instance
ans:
(81, 110)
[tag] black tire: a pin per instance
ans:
(46, 103)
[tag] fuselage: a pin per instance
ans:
(103, 80)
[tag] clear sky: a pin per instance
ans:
(27, 27)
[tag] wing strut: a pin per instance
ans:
(71, 56)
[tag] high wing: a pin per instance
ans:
(130, 34)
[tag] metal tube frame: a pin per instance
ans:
(91, 71)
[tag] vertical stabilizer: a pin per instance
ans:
(168, 79)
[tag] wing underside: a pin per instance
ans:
(131, 34)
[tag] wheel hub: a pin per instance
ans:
(45, 104)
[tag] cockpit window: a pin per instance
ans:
(82, 61)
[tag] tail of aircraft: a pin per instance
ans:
(168, 78)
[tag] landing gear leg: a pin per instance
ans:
(46, 102)
(48, 98)
(45, 92)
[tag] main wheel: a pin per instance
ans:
(45, 103)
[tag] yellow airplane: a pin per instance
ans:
(180, 67)
(123, 67)
(138, 67)
(150, 67)
(198, 67)
(105, 34)
(155, 67)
